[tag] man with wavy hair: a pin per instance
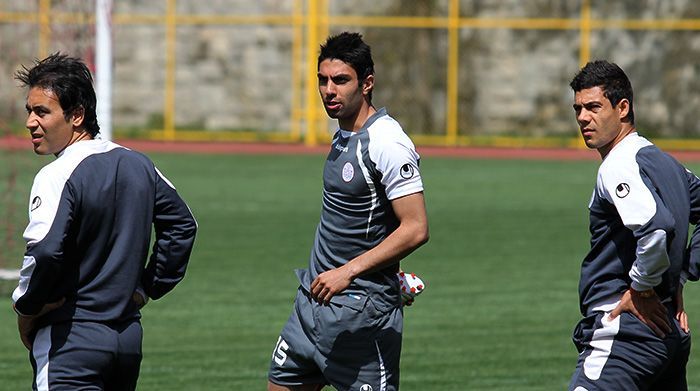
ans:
(85, 277)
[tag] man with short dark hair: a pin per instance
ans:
(345, 329)
(634, 335)
(84, 277)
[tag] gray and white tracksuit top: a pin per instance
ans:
(90, 219)
(639, 215)
(364, 171)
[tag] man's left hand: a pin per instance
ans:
(649, 310)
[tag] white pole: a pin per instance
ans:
(103, 65)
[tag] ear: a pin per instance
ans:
(78, 117)
(623, 108)
(367, 85)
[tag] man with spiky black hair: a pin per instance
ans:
(634, 334)
(345, 329)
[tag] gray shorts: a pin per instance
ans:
(348, 344)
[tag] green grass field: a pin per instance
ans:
(502, 268)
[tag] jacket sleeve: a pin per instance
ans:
(691, 266)
(645, 214)
(175, 229)
(51, 213)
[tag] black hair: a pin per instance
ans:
(70, 79)
(610, 78)
(352, 50)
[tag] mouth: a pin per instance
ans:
(36, 138)
(586, 132)
(333, 105)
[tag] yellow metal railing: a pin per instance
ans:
(452, 73)
(311, 21)
(170, 62)
(585, 48)
(297, 39)
(312, 41)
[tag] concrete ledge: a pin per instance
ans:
(8, 281)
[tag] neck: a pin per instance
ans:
(356, 122)
(624, 132)
(78, 135)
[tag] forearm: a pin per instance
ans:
(168, 262)
(691, 266)
(400, 243)
(397, 245)
(175, 230)
(411, 233)
(36, 285)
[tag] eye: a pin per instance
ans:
(593, 108)
(340, 80)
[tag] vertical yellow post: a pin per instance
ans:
(323, 31)
(323, 17)
(44, 28)
(453, 73)
(170, 42)
(312, 42)
(585, 50)
(297, 42)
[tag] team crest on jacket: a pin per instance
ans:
(36, 202)
(366, 387)
(406, 171)
(348, 172)
(622, 190)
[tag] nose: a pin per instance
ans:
(32, 122)
(331, 88)
(583, 117)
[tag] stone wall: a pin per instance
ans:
(512, 82)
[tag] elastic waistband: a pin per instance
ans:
(606, 304)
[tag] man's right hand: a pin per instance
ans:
(26, 323)
(411, 286)
(681, 315)
(648, 309)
